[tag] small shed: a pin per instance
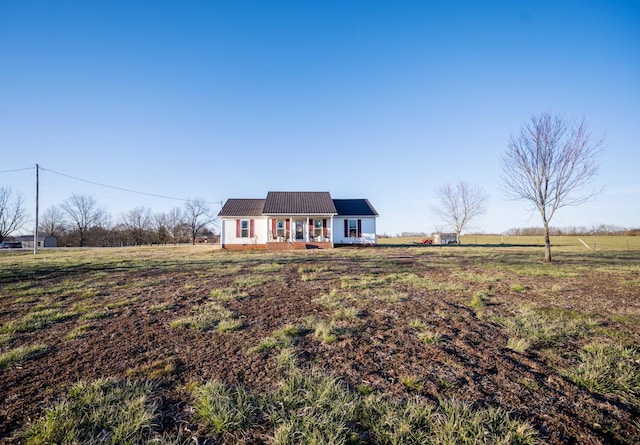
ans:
(445, 238)
(43, 241)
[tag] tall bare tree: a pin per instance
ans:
(550, 163)
(13, 215)
(197, 215)
(52, 222)
(103, 233)
(175, 222)
(160, 227)
(459, 204)
(84, 213)
(169, 226)
(137, 222)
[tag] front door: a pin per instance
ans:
(299, 229)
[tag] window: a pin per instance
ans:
(317, 228)
(280, 228)
(244, 228)
(353, 228)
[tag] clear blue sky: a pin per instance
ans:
(383, 100)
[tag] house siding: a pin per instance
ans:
(367, 226)
(229, 234)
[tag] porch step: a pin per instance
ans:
(298, 245)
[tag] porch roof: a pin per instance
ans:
(299, 203)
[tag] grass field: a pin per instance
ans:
(474, 344)
(595, 244)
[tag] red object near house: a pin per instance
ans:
(426, 241)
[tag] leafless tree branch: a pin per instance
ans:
(197, 215)
(83, 213)
(549, 164)
(13, 215)
(460, 204)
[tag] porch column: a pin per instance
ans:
(331, 232)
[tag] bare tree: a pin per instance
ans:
(161, 228)
(459, 204)
(84, 214)
(197, 215)
(13, 215)
(137, 223)
(103, 233)
(549, 164)
(169, 226)
(52, 222)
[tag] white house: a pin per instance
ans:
(296, 220)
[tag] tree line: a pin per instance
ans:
(81, 222)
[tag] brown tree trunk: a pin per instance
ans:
(547, 241)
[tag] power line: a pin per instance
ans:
(120, 188)
(17, 170)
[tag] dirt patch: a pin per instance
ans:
(392, 314)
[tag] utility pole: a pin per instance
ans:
(35, 232)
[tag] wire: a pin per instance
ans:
(121, 188)
(17, 170)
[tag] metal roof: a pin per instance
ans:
(30, 237)
(242, 207)
(354, 207)
(299, 203)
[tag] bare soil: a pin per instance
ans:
(471, 362)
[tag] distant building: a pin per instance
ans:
(43, 241)
(445, 238)
(208, 239)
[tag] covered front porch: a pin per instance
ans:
(299, 231)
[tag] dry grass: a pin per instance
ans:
(401, 337)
